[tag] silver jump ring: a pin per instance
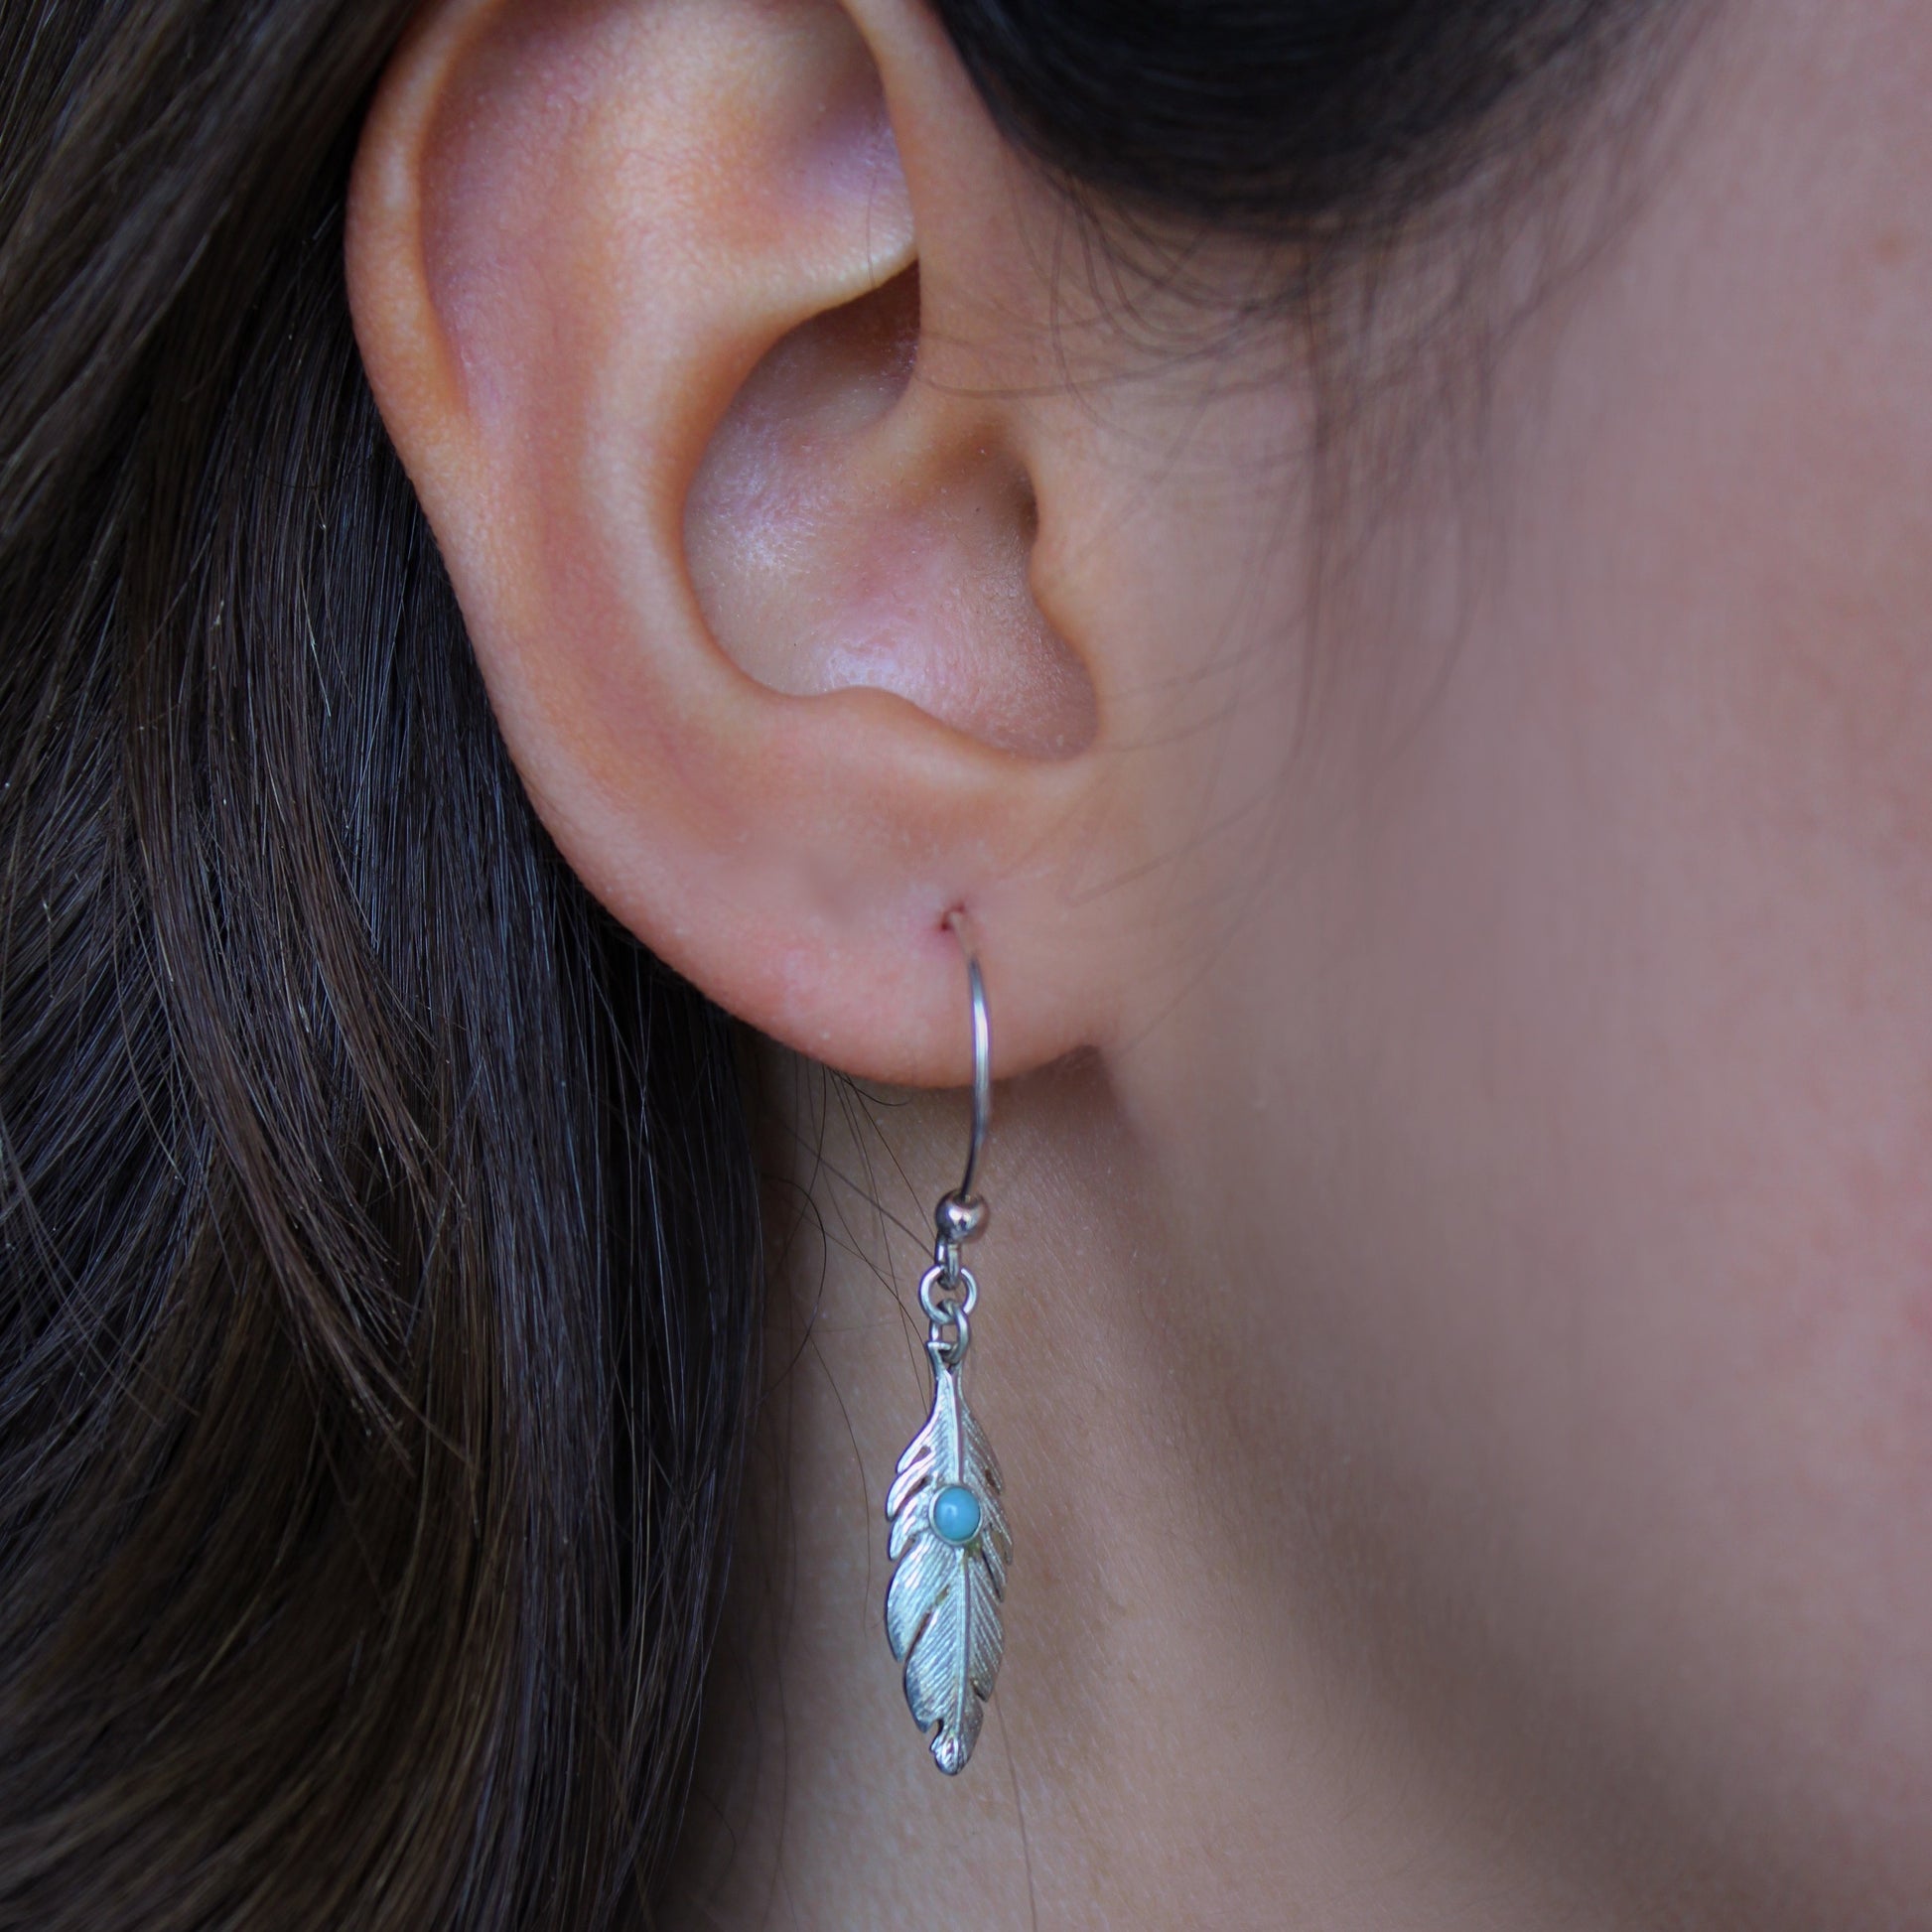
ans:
(941, 1310)
(952, 1352)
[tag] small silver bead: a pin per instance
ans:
(958, 1222)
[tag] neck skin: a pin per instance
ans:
(1186, 1729)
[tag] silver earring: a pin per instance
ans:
(949, 1535)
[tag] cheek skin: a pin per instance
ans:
(1579, 1046)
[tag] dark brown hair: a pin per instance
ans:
(380, 1266)
(377, 1225)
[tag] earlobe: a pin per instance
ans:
(637, 292)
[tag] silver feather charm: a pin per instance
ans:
(950, 1540)
(949, 1535)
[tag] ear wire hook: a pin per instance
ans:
(982, 1054)
(961, 1214)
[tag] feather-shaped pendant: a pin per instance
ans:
(950, 1541)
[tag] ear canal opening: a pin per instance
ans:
(850, 527)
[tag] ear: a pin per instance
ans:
(700, 327)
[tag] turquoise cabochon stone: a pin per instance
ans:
(956, 1514)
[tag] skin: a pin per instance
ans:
(1457, 1315)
